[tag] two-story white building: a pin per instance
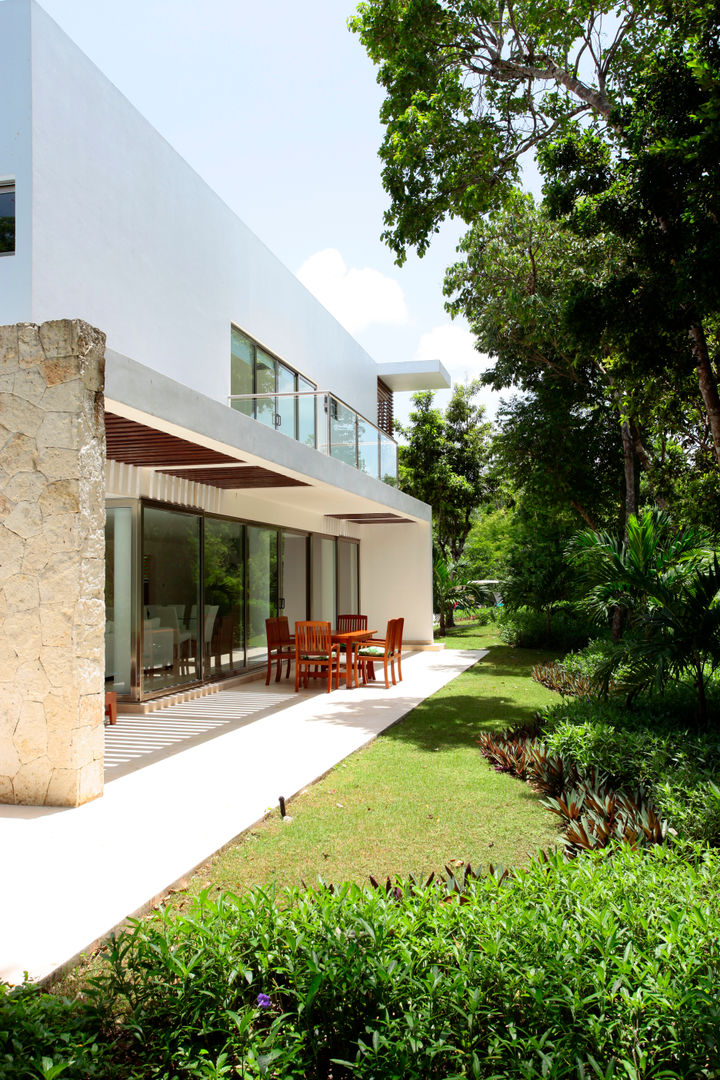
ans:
(229, 440)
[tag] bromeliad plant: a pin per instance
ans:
(592, 813)
(554, 675)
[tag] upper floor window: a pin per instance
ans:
(270, 391)
(7, 218)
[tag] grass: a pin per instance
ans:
(417, 798)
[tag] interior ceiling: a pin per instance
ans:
(133, 443)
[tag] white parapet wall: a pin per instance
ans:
(52, 563)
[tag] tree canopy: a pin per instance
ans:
(621, 106)
(446, 462)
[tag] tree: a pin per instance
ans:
(446, 463)
(588, 415)
(536, 571)
(453, 588)
(623, 107)
(668, 581)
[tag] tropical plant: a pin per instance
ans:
(446, 462)
(668, 582)
(453, 588)
(620, 104)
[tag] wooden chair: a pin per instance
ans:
(346, 623)
(314, 649)
(280, 646)
(222, 641)
(111, 707)
(389, 650)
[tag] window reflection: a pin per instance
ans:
(262, 547)
(224, 610)
(7, 219)
(172, 633)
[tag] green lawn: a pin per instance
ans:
(419, 797)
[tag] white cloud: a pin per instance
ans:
(357, 298)
(454, 346)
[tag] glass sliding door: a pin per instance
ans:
(119, 597)
(343, 433)
(294, 579)
(324, 577)
(224, 608)
(172, 631)
(307, 422)
(348, 578)
(242, 371)
(286, 406)
(262, 588)
(265, 380)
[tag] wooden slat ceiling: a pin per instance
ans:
(136, 444)
(143, 446)
(372, 519)
(247, 476)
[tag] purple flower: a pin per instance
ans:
(263, 1001)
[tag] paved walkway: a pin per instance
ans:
(180, 783)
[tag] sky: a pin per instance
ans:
(276, 107)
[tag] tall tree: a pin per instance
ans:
(446, 462)
(588, 406)
(623, 104)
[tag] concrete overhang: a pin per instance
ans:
(324, 485)
(415, 375)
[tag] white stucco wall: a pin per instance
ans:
(396, 576)
(127, 236)
(16, 157)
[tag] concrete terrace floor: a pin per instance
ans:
(181, 782)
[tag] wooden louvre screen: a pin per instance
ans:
(385, 408)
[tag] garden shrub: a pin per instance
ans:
(592, 812)
(599, 967)
(554, 675)
(678, 767)
(44, 1035)
(484, 616)
(526, 628)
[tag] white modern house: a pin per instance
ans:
(189, 442)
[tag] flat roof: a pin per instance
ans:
(415, 375)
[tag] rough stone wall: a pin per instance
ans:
(52, 562)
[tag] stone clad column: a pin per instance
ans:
(52, 563)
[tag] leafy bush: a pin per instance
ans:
(595, 816)
(484, 616)
(595, 968)
(593, 813)
(554, 675)
(42, 1035)
(667, 582)
(678, 767)
(528, 629)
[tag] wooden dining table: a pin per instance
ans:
(352, 639)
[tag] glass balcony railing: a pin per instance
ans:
(320, 419)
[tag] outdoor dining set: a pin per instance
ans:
(350, 650)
